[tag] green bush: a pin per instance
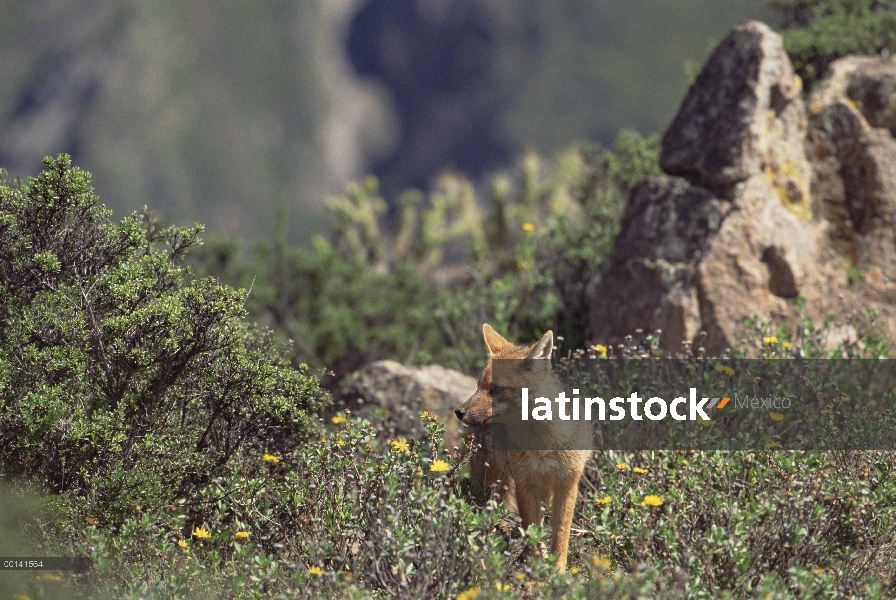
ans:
(120, 378)
(189, 482)
(523, 254)
(352, 516)
(817, 32)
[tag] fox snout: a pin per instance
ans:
(476, 410)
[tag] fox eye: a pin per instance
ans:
(497, 389)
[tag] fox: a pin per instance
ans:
(523, 479)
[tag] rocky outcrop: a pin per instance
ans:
(765, 202)
(730, 233)
(853, 150)
(651, 283)
(743, 116)
(762, 255)
(393, 396)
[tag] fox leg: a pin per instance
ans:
(507, 493)
(562, 509)
(530, 512)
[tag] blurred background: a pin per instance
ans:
(238, 114)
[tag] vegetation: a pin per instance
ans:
(817, 32)
(523, 255)
(350, 514)
(123, 381)
(147, 426)
(156, 413)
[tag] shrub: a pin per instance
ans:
(345, 513)
(121, 378)
(523, 255)
(817, 32)
(351, 515)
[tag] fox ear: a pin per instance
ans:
(493, 340)
(543, 347)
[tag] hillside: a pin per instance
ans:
(214, 113)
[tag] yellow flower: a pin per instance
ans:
(621, 466)
(183, 544)
(726, 370)
(640, 470)
(528, 227)
(651, 500)
(315, 571)
(399, 445)
(772, 445)
(600, 349)
(340, 442)
(91, 521)
(604, 500)
(520, 576)
(469, 594)
(242, 534)
(601, 562)
(845, 398)
(574, 571)
(502, 587)
(202, 534)
(270, 458)
(770, 340)
(787, 345)
(427, 415)
(338, 419)
(776, 416)
(439, 466)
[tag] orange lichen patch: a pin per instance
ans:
(791, 187)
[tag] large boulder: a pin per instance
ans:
(853, 150)
(762, 255)
(687, 261)
(744, 115)
(393, 396)
(651, 282)
(732, 235)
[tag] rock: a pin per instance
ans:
(650, 284)
(743, 116)
(868, 83)
(686, 261)
(732, 236)
(764, 204)
(394, 395)
(762, 255)
(852, 147)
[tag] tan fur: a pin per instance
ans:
(523, 479)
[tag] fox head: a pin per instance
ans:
(478, 409)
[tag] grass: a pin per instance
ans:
(350, 515)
